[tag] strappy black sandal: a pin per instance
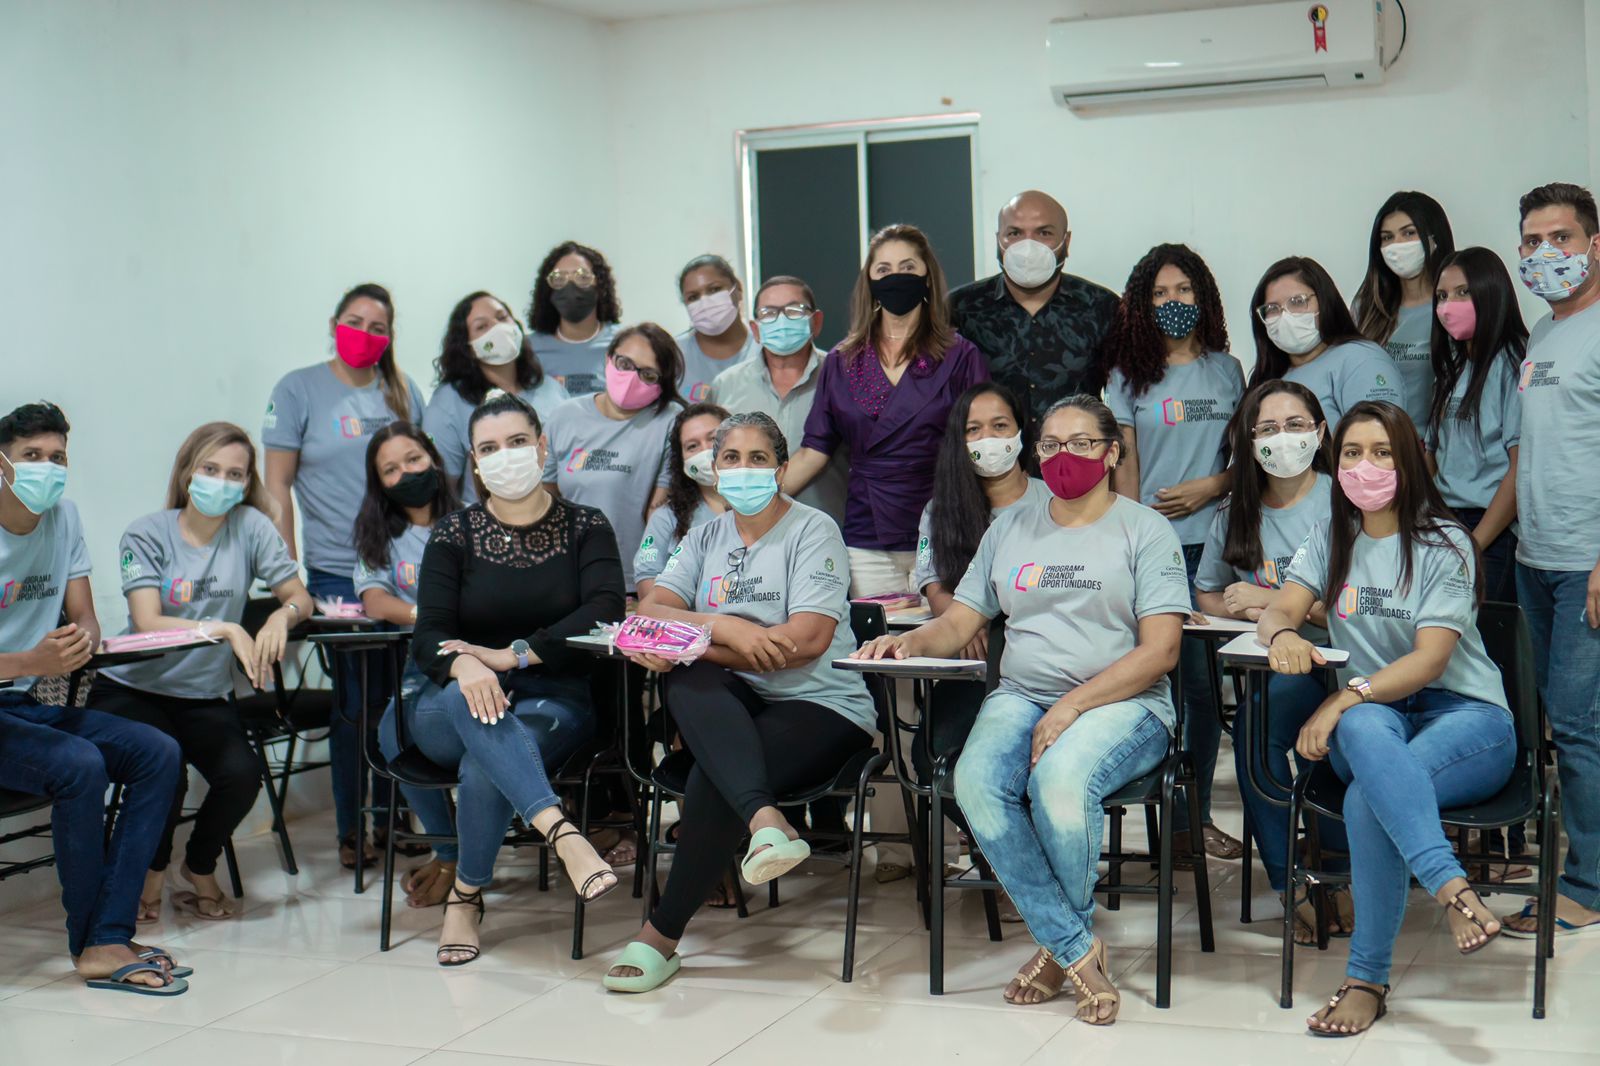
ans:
(555, 836)
(1462, 908)
(1338, 998)
(456, 898)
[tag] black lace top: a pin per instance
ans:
(489, 584)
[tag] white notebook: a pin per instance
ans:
(1216, 623)
(1246, 646)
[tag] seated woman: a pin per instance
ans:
(1095, 593)
(191, 567)
(763, 710)
(1421, 722)
(691, 491)
(504, 583)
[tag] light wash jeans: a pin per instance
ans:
(1040, 829)
(1404, 762)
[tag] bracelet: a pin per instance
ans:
(1279, 633)
(295, 607)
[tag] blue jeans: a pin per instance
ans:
(1047, 852)
(1291, 699)
(1404, 762)
(429, 804)
(73, 756)
(1553, 602)
(501, 767)
(1499, 559)
(1202, 727)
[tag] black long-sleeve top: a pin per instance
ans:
(489, 584)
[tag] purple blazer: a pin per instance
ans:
(893, 434)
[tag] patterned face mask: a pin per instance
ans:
(1552, 274)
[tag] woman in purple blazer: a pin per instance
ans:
(884, 394)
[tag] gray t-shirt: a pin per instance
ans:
(210, 582)
(658, 542)
(445, 421)
(1558, 488)
(329, 423)
(1473, 457)
(798, 567)
(1179, 425)
(34, 572)
(1376, 621)
(399, 578)
(1283, 530)
(1073, 598)
(700, 370)
(577, 366)
(612, 466)
(1345, 374)
(924, 573)
(1410, 346)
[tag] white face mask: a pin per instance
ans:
(994, 456)
(700, 468)
(1405, 258)
(1030, 263)
(713, 313)
(1286, 454)
(500, 344)
(511, 473)
(1295, 333)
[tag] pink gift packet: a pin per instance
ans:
(157, 638)
(681, 642)
(891, 600)
(339, 607)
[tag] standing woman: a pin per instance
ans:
(574, 314)
(717, 337)
(1475, 421)
(484, 348)
(191, 567)
(1304, 332)
(315, 432)
(1173, 387)
(692, 496)
(885, 393)
(1411, 238)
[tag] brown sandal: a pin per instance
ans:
(1089, 1001)
(1028, 977)
(1338, 998)
(1460, 907)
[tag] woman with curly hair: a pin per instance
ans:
(574, 314)
(1173, 387)
(692, 495)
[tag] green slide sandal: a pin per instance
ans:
(654, 971)
(776, 857)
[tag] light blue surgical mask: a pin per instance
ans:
(37, 486)
(786, 336)
(215, 496)
(748, 489)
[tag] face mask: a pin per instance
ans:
(1459, 318)
(700, 469)
(748, 489)
(1405, 258)
(1295, 333)
(899, 294)
(713, 314)
(1551, 274)
(1177, 319)
(214, 496)
(1071, 476)
(511, 473)
(38, 486)
(574, 304)
(1369, 487)
(994, 456)
(417, 488)
(786, 336)
(358, 348)
(1030, 263)
(500, 344)
(627, 390)
(1286, 454)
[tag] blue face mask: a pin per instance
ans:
(1551, 274)
(748, 489)
(786, 336)
(215, 496)
(1177, 319)
(38, 486)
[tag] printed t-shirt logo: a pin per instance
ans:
(827, 564)
(1382, 380)
(575, 460)
(348, 425)
(32, 587)
(596, 460)
(1032, 576)
(1368, 600)
(698, 391)
(1537, 375)
(270, 419)
(1270, 574)
(722, 591)
(405, 574)
(177, 591)
(131, 570)
(1171, 411)
(648, 552)
(1176, 412)
(8, 595)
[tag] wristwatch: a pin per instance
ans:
(520, 649)
(1362, 687)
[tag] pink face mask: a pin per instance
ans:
(358, 348)
(627, 390)
(1459, 318)
(1369, 487)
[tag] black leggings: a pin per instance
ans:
(747, 752)
(211, 738)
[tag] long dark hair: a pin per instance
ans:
(669, 360)
(1379, 295)
(1242, 549)
(395, 394)
(1420, 509)
(1134, 345)
(542, 314)
(380, 519)
(458, 364)
(1500, 330)
(1333, 315)
(683, 492)
(960, 508)
(933, 334)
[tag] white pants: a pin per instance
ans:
(873, 572)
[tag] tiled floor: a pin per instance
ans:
(297, 979)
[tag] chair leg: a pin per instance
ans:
(653, 852)
(934, 843)
(936, 901)
(1291, 883)
(853, 901)
(772, 894)
(991, 903)
(544, 869)
(1114, 872)
(741, 905)
(581, 906)
(640, 829)
(385, 915)
(1247, 873)
(1164, 897)
(275, 802)
(232, 859)
(1202, 872)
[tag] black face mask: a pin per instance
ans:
(899, 294)
(575, 304)
(415, 489)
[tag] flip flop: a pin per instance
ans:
(118, 981)
(654, 970)
(155, 955)
(776, 857)
(1563, 927)
(190, 901)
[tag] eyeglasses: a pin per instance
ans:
(1292, 425)
(648, 375)
(1299, 303)
(583, 278)
(1047, 448)
(768, 315)
(733, 569)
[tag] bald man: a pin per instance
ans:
(1040, 327)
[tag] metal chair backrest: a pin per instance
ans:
(1506, 639)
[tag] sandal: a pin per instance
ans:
(1338, 998)
(772, 854)
(1220, 845)
(437, 874)
(347, 852)
(457, 899)
(1530, 910)
(118, 981)
(1028, 977)
(1305, 930)
(149, 910)
(191, 901)
(1089, 1001)
(625, 852)
(555, 836)
(654, 969)
(163, 958)
(1457, 904)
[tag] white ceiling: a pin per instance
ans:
(620, 10)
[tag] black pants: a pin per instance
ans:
(746, 752)
(1499, 560)
(211, 738)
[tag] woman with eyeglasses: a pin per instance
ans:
(573, 314)
(763, 711)
(1094, 591)
(717, 337)
(608, 451)
(692, 497)
(1420, 723)
(484, 348)
(1304, 333)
